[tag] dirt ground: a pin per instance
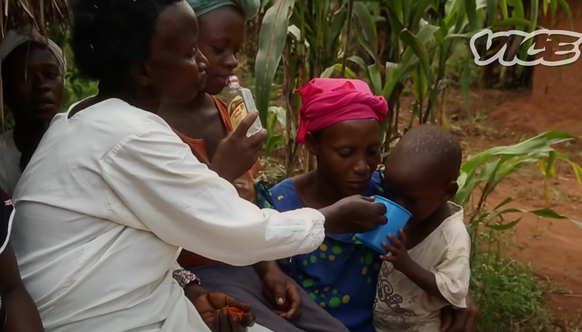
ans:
(554, 248)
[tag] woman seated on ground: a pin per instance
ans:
(112, 194)
(17, 310)
(202, 123)
(33, 77)
(341, 275)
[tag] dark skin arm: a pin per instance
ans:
(461, 320)
(22, 315)
(264, 267)
(403, 263)
(208, 303)
(280, 289)
(246, 149)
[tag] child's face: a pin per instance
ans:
(415, 186)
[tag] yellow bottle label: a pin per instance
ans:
(237, 111)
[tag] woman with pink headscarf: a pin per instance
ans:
(340, 122)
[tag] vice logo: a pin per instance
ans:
(568, 44)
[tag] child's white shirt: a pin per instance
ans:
(402, 306)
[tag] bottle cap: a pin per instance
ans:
(232, 79)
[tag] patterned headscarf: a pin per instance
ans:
(249, 8)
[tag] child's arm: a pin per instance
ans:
(402, 262)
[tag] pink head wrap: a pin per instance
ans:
(328, 101)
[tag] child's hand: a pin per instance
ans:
(399, 254)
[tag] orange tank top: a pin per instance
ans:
(244, 185)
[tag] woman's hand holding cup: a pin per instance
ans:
(354, 214)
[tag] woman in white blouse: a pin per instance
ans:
(112, 194)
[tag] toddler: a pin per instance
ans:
(427, 268)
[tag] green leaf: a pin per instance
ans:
(420, 85)
(471, 10)
(577, 172)
(504, 9)
(406, 10)
(532, 26)
(453, 36)
(542, 213)
(542, 141)
(337, 24)
(410, 58)
(366, 69)
(272, 39)
(575, 167)
(550, 171)
(554, 9)
(491, 12)
(548, 213)
(518, 11)
(280, 114)
(505, 202)
(461, 18)
(512, 22)
(566, 9)
(393, 77)
(417, 47)
(462, 179)
(359, 61)
(393, 18)
(329, 71)
(495, 164)
(504, 227)
(367, 34)
(375, 79)
(398, 10)
(419, 10)
(426, 33)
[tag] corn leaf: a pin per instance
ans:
(504, 227)
(337, 68)
(471, 11)
(491, 12)
(367, 34)
(566, 8)
(272, 40)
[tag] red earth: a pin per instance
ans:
(554, 248)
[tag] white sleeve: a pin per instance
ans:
(185, 204)
(453, 274)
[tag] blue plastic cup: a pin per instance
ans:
(397, 216)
